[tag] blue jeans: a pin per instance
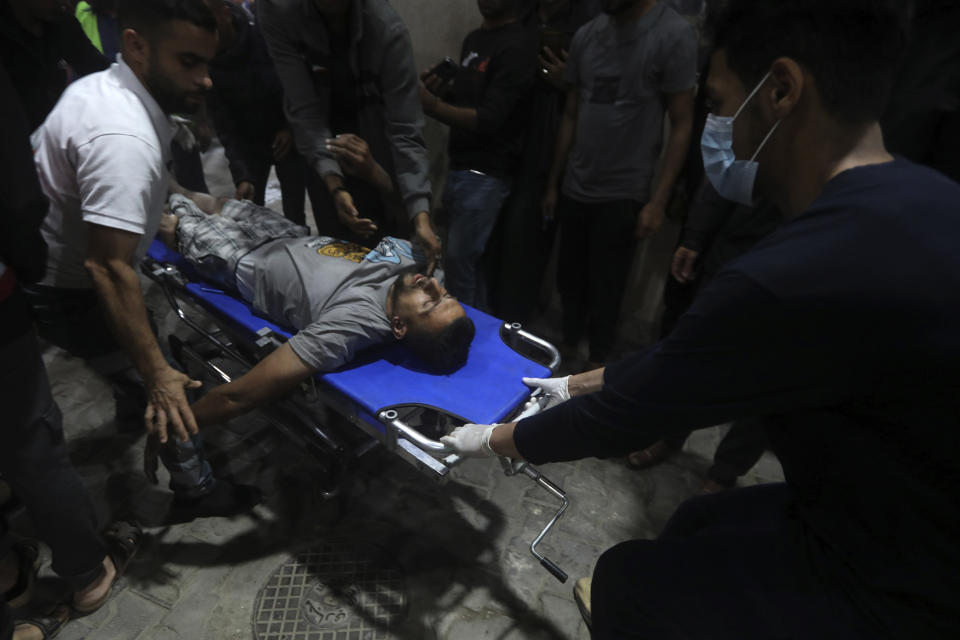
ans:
(472, 202)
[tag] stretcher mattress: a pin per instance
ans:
(483, 391)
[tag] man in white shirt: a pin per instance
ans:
(102, 157)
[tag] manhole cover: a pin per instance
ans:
(336, 591)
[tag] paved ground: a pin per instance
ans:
(396, 557)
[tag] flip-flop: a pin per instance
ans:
(22, 591)
(123, 540)
(49, 623)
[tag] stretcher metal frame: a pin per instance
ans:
(389, 428)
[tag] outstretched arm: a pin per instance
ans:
(273, 376)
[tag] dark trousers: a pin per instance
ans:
(730, 565)
(297, 179)
(72, 319)
(518, 252)
(737, 452)
(34, 460)
(596, 250)
(188, 168)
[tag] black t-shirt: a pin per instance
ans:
(22, 210)
(497, 70)
(843, 328)
(37, 66)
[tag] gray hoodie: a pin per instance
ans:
(390, 117)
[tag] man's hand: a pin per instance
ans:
(429, 241)
(556, 390)
(553, 67)
(471, 440)
(548, 206)
(281, 145)
(245, 191)
(348, 214)
(353, 154)
(167, 406)
(684, 261)
(650, 220)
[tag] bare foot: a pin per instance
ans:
(89, 596)
(28, 631)
(167, 232)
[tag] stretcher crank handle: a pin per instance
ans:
(511, 468)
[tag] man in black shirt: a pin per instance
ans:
(486, 113)
(39, 40)
(246, 107)
(842, 326)
(521, 243)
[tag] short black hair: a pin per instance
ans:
(147, 16)
(444, 352)
(851, 47)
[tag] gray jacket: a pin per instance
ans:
(390, 118)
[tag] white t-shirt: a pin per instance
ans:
(101, 157)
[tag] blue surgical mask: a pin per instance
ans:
(733, 179)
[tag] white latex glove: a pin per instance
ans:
(555, 389)
(471, 440)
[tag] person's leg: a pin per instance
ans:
(611, 253)
(472, 202)
(739, 450)
(259, 175)
(292, 174)
(188, 168)
(572, 265)
(736, 567)
(34, 460)
(524, 251)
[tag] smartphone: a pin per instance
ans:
(446, 69)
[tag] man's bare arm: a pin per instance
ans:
(680, 113)
(565, 135)
(273, 376)
(109, 253)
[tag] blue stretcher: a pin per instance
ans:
(384, 391)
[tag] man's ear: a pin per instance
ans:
(399, 327)
(788, 80)
(136, 50)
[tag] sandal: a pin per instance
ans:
(48, 623)
(20, 593)
(123, 540)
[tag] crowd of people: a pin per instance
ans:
(811, 146)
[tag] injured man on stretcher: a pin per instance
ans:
(338, 296)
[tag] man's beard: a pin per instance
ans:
(170, 98)
(400, 286)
